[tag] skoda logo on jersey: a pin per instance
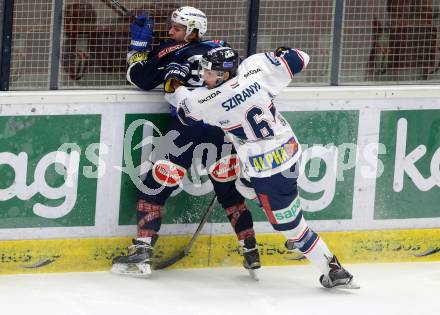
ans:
(239, 98)
(251, 72)
(274, 158)
(209, 97)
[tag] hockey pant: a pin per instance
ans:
(278, 195)
(172, 159)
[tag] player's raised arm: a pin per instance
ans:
(293, 59)
(142, 68)
(280, 66)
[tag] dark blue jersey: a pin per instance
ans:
(150, 73)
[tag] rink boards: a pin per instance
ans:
(69, 164)
(95, 254)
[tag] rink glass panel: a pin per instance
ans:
(382, 42)
(31, 45)
(390, 42)
(302, 24)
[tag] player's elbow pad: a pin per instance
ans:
(305, 58)
(297, 60)
(140, 77)
(131, 73)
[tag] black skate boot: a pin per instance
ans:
(251, 257)
(137, 262)
(337, 276)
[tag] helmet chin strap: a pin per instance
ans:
(219, 81)
(188, 35)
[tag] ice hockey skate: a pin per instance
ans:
(138, 261)
(251, 257)
(337, 277)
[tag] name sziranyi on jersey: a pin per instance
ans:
(239, 98)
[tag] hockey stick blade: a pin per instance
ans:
(428, 252)
(166, 263)
(298, 257)
(42, 262)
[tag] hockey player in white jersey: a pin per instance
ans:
(239, 99)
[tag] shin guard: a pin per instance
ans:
(241, 220)
(149, 218)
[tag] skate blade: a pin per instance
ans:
(253, 273)
(298, 257)
(132, 270)
(349, 286)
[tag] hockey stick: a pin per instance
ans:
(428, 252)
(187, 249)
(129, 13)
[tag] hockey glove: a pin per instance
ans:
(280, 51)
(175, 75)
(141, 36)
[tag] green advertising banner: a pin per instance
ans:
(334, 133)
(49, 174)
(329, 140)
(182, 208)
(410, 184)
(46, 178)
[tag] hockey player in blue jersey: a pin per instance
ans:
(239, 99)
(147, 68)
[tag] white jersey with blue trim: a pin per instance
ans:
(243, 107)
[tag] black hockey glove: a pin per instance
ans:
(176, 74)
(280, 51)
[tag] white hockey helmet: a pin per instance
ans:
(192, 18)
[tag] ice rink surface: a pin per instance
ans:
(404, 288)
